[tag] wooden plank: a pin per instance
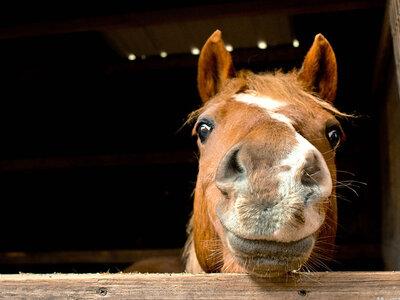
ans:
(146, 18)
(390, 168)
(328, 285)
(136, 159)
(394, 20)
(387, 93)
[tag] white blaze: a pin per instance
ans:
(269, 104)
(296, 160)
(264, 102)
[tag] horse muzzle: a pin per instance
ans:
(269, 258)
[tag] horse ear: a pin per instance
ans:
(215, 66)
(319, 70)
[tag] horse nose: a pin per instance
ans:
(311, 173)
(230, 170)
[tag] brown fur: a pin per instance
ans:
(309, 94)
(162, 264)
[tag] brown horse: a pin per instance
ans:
(265, 194)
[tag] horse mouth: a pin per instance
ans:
(269, 258)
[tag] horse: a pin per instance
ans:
(264, 200)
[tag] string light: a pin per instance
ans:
(131, 56)
(163, 54)
(296, 43)
(229, 47)
(195, 51)
(262, 44)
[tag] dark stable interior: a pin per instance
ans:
(69, 96)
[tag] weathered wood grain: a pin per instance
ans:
(394, 20)
(387, 94)
(328, 285)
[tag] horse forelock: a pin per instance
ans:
(276, 85)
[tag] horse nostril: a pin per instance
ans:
(229, 170)
(310, 173)
(234, 166)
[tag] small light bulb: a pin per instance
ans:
(143, 56)
(195, 51)
(262, 44)
(296, 43)
(131, 56)
(229, 47)
(163, 54)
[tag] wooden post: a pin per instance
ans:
(390, 155)
(388, 97)
(326, 285)
(394, 19)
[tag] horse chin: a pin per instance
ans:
(264, 258)
(269, 267)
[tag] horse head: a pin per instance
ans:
(265, 193)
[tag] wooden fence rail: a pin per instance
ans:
(325, 285)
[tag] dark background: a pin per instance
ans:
(69, 95)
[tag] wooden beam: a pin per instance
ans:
(290, 7)
(136, 159)
(390, 170)
(386, 90)
(394, 20)
(327, 285)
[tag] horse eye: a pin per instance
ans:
(204, 130)
(334, 135)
